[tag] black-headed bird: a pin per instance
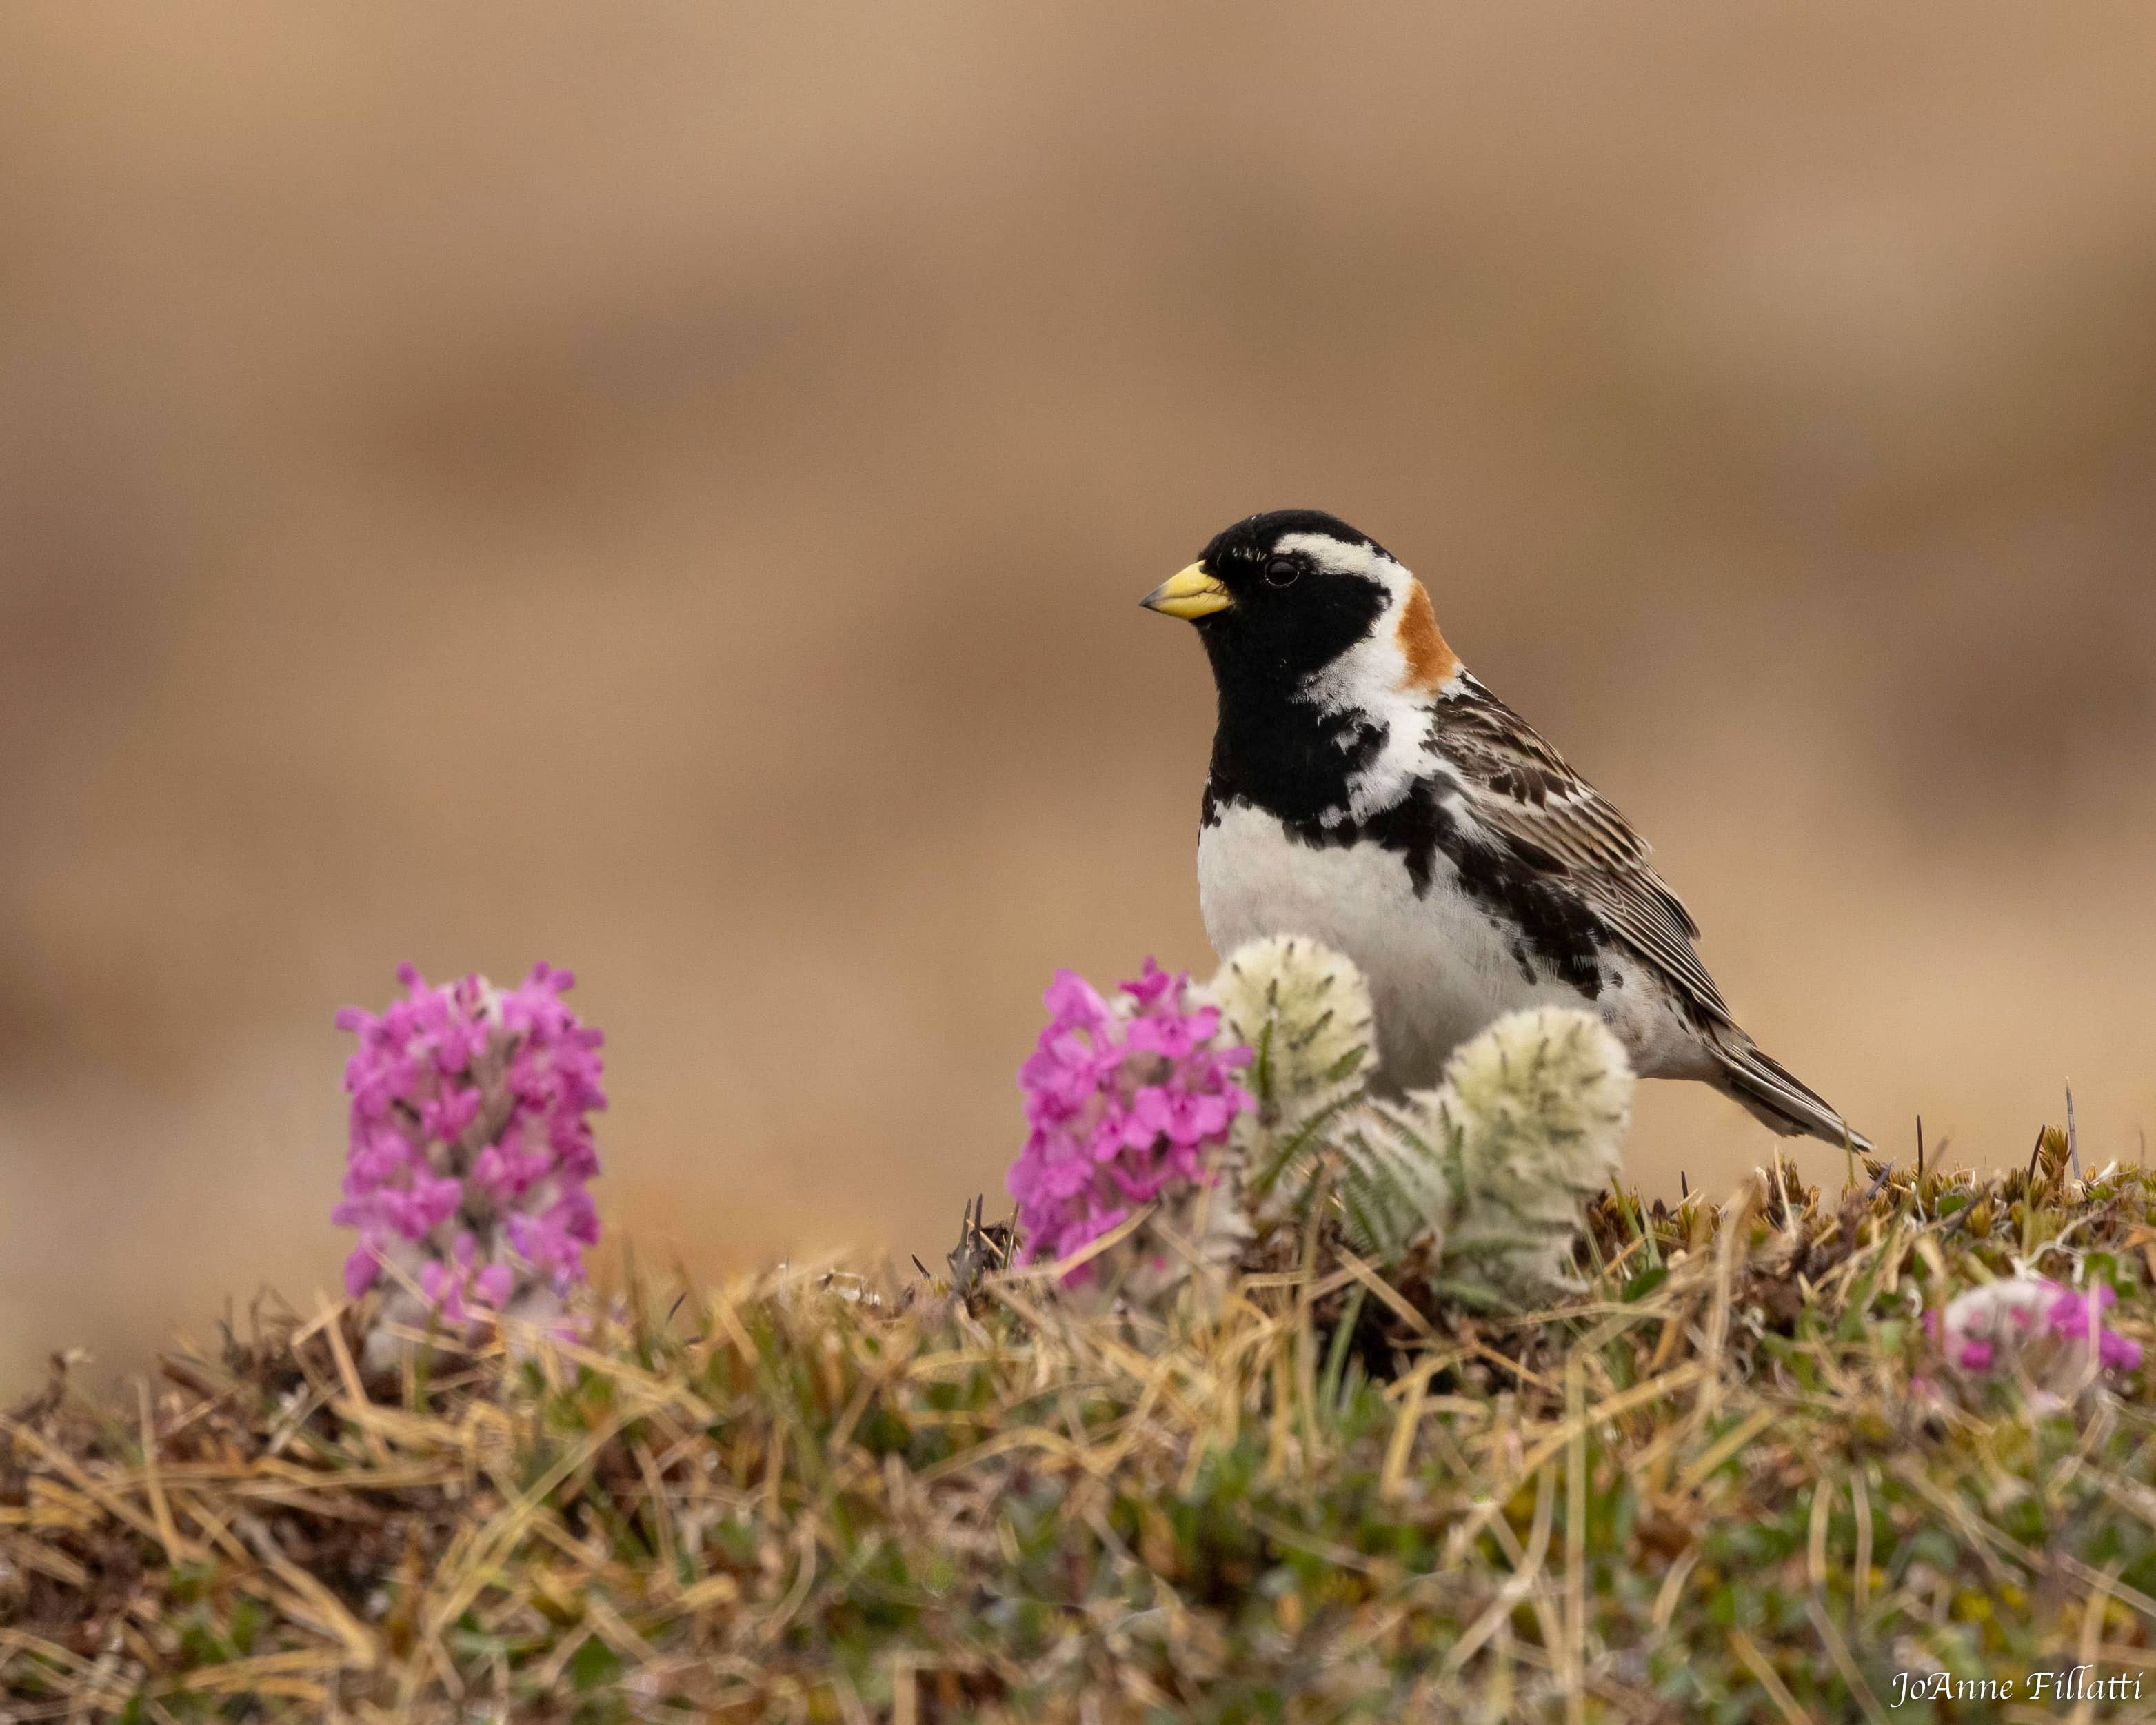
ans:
(1368, 792)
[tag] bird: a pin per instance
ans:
(1367, 790)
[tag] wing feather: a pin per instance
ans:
(1522, 791)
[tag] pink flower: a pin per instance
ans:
(462, 1288)
(2078, 1316)
(363, 1266)
(1124, 1100)
(2041, 1327)
(471, 1140)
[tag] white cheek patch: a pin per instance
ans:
(1375, 666)
(1372, 677)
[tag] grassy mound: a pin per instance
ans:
(1709, 1489)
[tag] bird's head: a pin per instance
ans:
(1295, 603)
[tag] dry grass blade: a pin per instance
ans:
(1575, 1545)
(1526, 1573)
(1770, 1680)
(1830, 1638)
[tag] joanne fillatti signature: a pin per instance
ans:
(2078, 1682)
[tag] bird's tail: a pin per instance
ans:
(1777, 1096)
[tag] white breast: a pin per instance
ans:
(1439, 968)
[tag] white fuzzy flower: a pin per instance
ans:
(1304, 1011)
(1536, 1108)
(1491, 1168)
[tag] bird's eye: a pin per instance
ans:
(1282, 571)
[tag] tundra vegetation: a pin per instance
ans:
(1278, 1398)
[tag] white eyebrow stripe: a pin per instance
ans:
(1336, 555)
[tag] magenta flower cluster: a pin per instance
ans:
(2077, 1316)
(471, 1143)
(1124, 1100)
(1982, 1328)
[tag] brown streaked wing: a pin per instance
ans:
(1519, 787)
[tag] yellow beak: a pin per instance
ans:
(1188, 593)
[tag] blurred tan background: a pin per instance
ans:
(664, 489)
